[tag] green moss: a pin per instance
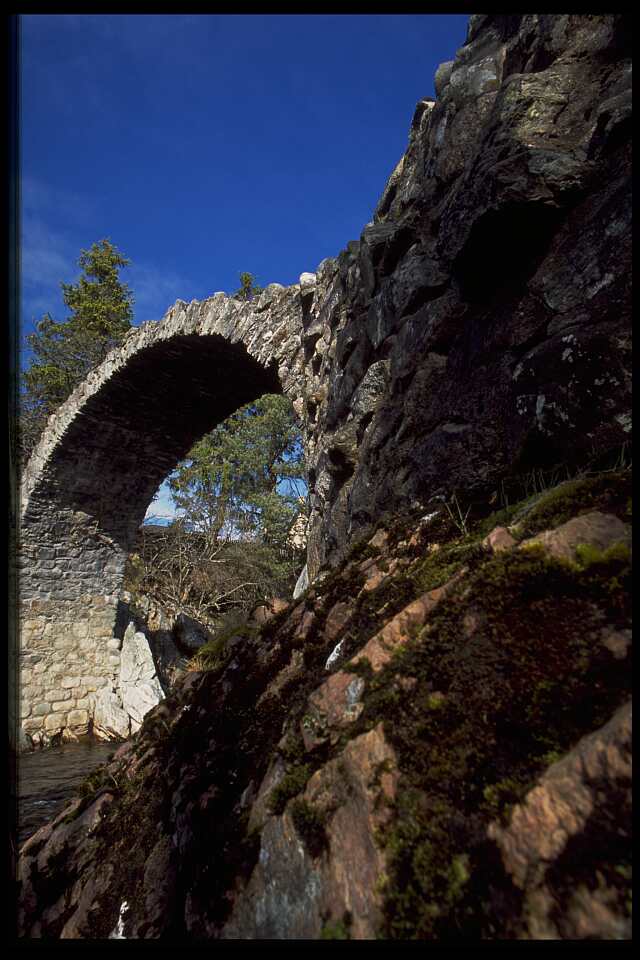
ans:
(309, 823)
(607, 491)
(293, 749)
(211, 656)
(589, 556)
(510, 674)
(439, 566)
(339, 930)
(291, 784)
(97, 779)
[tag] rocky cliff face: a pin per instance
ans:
(484, 313)
(434, 739)
(433, 742)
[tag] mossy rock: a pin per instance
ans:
(514, 658)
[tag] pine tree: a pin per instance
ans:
(63, 352)
(243, 480)
(248, 287)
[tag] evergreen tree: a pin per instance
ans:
(63, 352)
(243, 480)
(240, 489)
(248, 287)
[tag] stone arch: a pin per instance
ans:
(94, 473)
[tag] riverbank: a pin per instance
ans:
(47, 780)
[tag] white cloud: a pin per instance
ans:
(39, 198)
(162, 506)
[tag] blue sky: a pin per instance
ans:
(206, 145)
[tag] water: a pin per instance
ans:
(47, 778)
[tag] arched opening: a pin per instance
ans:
(113, 443)
(227, 528)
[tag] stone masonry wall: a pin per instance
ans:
(478, 329)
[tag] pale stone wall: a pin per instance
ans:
(68, 652)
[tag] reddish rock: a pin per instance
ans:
(335, 704)
(498, 540)
(557, 810)
(304, 627)
(292, 894)
(376, 575)
(379, 539)
(379, 650)
(337, 619)
(293, 668)
(600, 530)
(268, 610)
(260, 807)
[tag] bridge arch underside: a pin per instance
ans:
(83, 515)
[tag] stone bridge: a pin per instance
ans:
(479, 327)
(89, 482)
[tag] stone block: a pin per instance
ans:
(54, 695)
(41, 710)
(77, 718)
(82, 703)
(70, 682)
(60, 705)
(32, 724)
(55, 721)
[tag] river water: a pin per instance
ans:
(47, 778)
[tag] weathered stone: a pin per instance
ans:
(291, 893)
(54, 722)
(600, 530)
(555, 812)
(53, 695)
(267, 611)
(379, 650)
(110, 720)
(78, 718)
(139, 686)
(337, 619)
(498, 540)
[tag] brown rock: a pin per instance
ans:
(617, 641)
(267, 611)
(337, 619)
(306, 622)
(374, 577)
(260, 807)
(379, 650)
(288, 673)
(291, 894)
(570, 794)
(335, 704)
(596, 529)
(498, 540)
(379, 539)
